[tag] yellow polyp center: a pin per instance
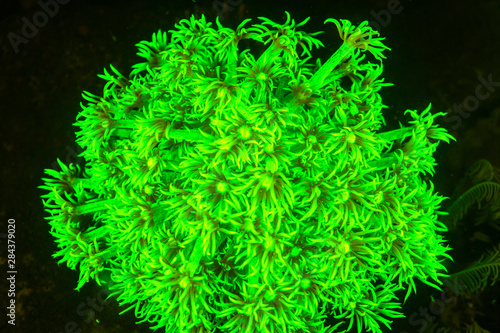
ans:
(379, 197)
(268, 181)
(271, 165)
(312, 139)
(222, 187)
(244, 132)
(343, 247)
(269, 115)
(261, 77)
(296, 251)
(247, 309)
(151, 162)
(269, 148)
(269, 243)
(305, 283)
(344, 196)
(284, 41)
(185, 282)
(249, 227)
(270, 295)
(350, 137)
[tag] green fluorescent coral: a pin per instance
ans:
(231, 182)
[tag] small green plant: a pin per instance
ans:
(484, 272)
(482, 183)
(477, 192)
(251, 191)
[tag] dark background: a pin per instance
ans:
(439, 49)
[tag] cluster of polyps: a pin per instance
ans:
(250, 194)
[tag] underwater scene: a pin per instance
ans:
(250, 166)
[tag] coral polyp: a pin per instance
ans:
(233, 183)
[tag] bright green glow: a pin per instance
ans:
(221, 190)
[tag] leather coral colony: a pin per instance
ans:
(225, 190)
